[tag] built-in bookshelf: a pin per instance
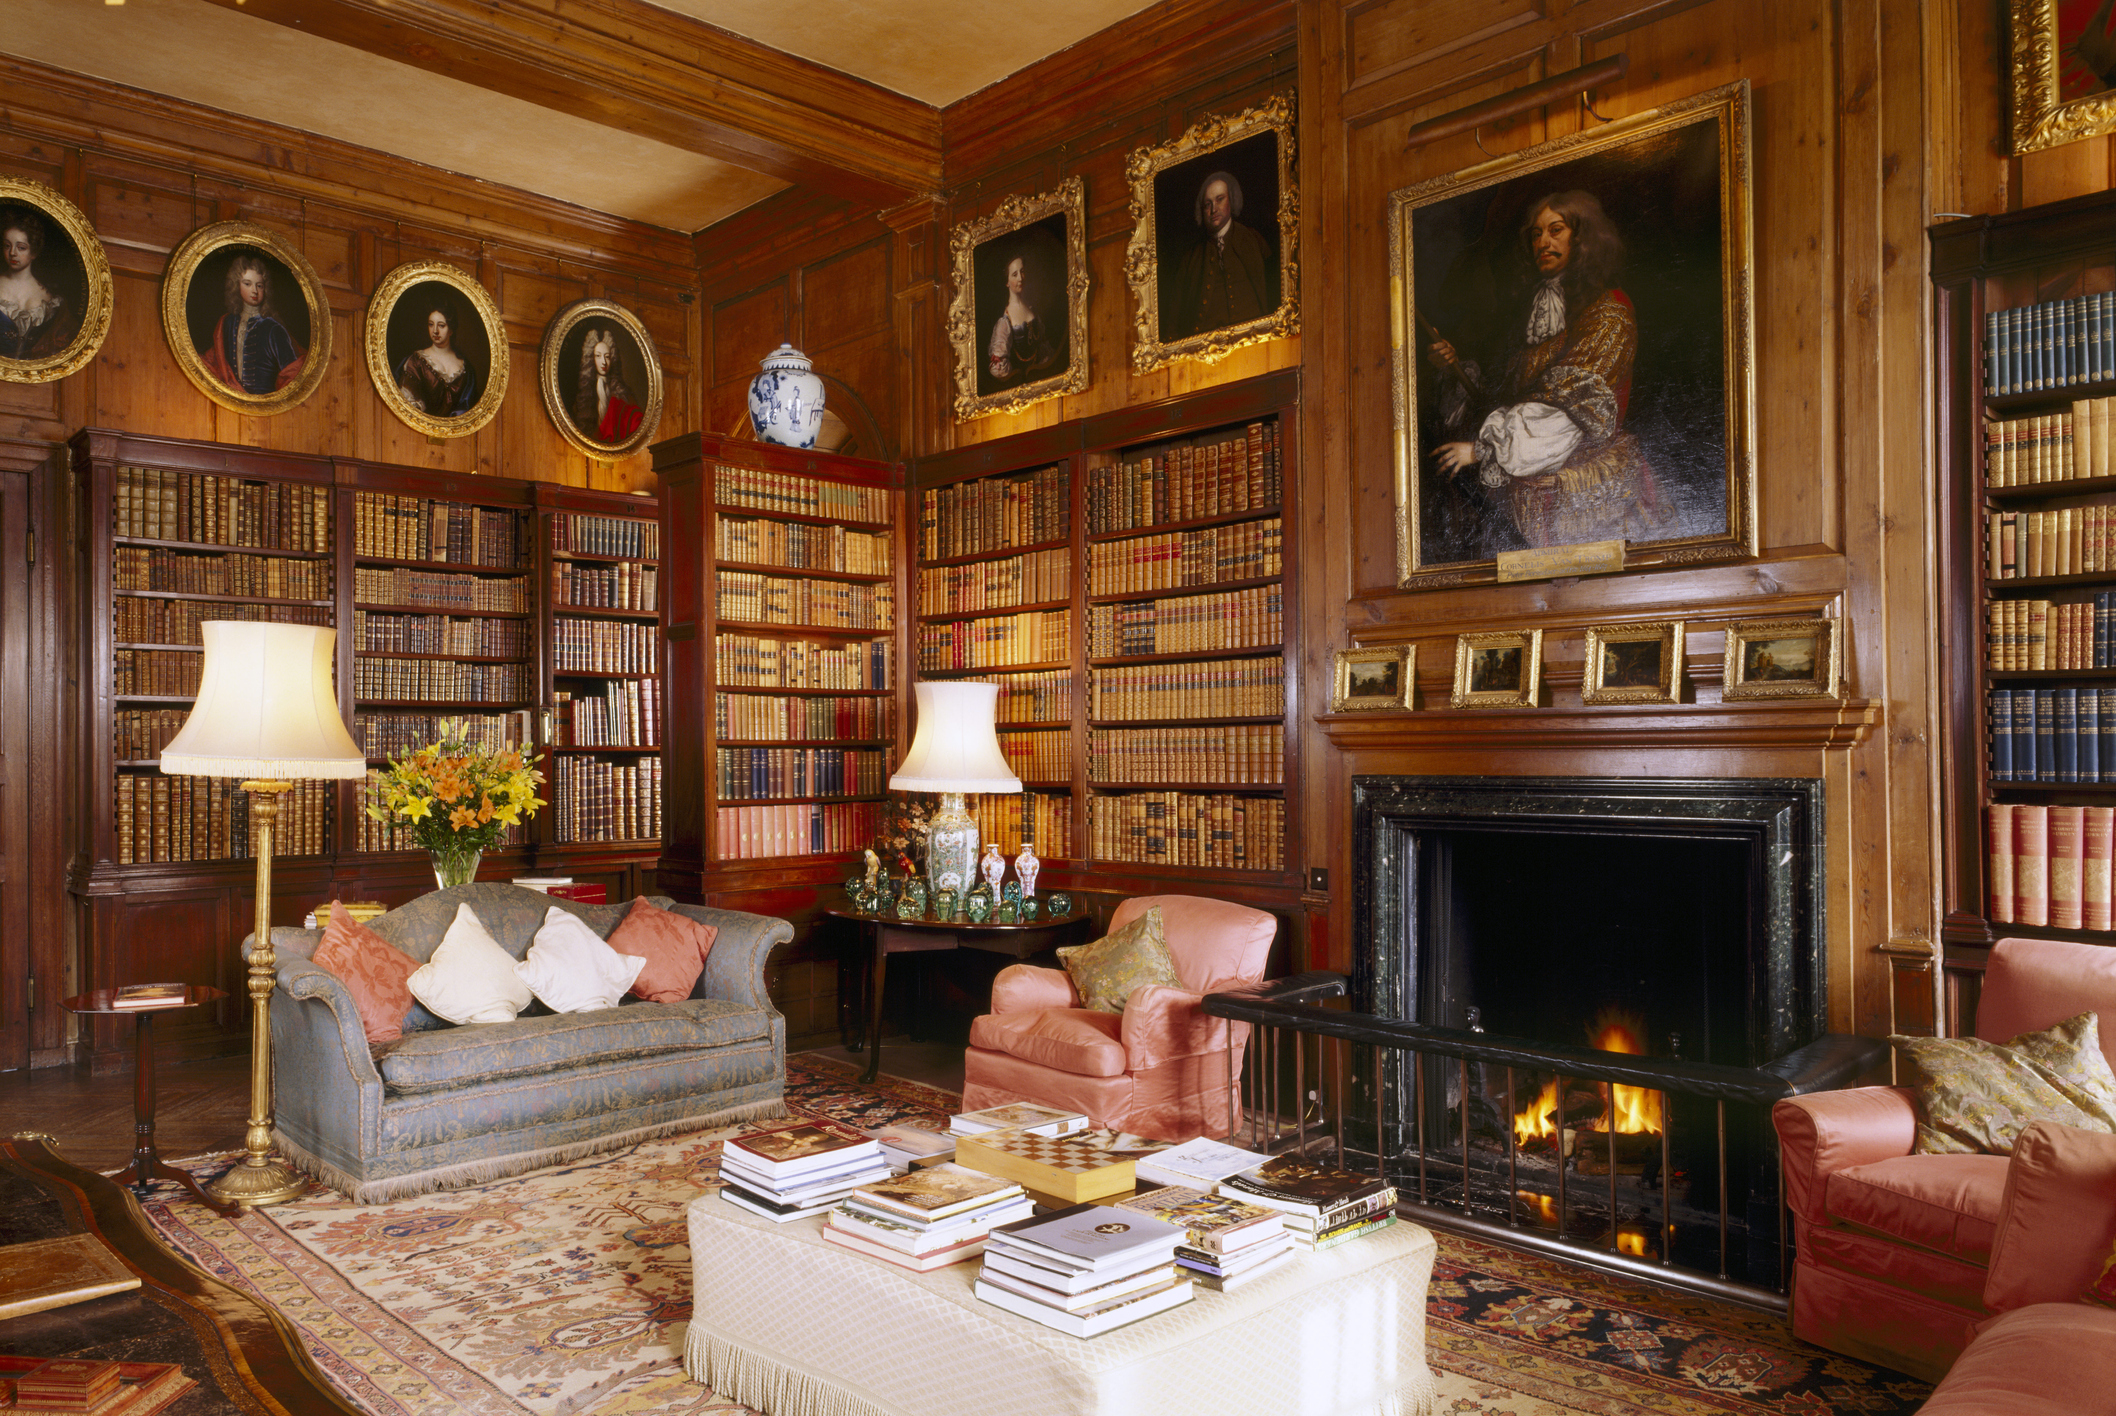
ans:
(605, 724)
(2027, 387)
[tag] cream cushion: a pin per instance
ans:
(468, 978)
(572, 969)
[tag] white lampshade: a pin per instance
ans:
(266, 708)
(956, 748)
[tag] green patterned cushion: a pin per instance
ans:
(1976, 1096)
(1111, 969)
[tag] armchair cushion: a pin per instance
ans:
(1128, 958)
(1824, 1132)
(1948, 1203)
(450, 1058)
(373, 972)
(1022, 988)
(1977, 1096)
(1076, 1040)
(2058, 1218)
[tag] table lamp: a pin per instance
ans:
(955, 750)
(266, 712)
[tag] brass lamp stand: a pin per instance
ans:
(260, 1179)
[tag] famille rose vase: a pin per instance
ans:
(1025, 867)
(786, 399)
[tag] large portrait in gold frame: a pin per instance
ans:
(1215, 221)
(436, 349)
(1572, 350)
(601, 378)
(245, 315)
(55, 288)
(1018, 322)
(2063, 56)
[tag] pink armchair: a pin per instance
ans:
(1158, 1069)
(1894, 1248)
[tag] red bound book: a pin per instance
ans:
(2095, 884)
(2066, 845)
(2031, 877)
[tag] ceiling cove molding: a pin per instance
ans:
(658, 74)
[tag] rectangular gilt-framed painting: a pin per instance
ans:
(1795, 658)
(2064, 71)
(1369, 680)
(1500, 668)
(1572, 351)
(1018, 322)
(1633, 663)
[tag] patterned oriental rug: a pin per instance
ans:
(566, 1292)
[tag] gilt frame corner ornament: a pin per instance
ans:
(993, 242)
(635, 368)
(388, 348)
(77, 313)
(192, 326)
(1671, 475)
(2042, 117)
(1156, 174)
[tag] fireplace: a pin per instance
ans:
(1673, 917)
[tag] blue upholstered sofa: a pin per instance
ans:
(446, 1106)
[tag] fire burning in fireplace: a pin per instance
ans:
(1637, 1108)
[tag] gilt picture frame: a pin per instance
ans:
(1374, 680)
(1633, 663)
(1500, 668)
(1573, 358)
(2063, 79)
(246, 317)
(601, 379)
(57, 280)
(1213, 260)
(437, 349)
(1029, 256)
(1784, 658)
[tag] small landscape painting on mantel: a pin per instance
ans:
(1783, 659)
(1370, 679)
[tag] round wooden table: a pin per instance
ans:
(146, 1166)
(886, 935)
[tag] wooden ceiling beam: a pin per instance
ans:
(660, 75)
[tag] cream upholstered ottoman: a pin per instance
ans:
(792, 1326)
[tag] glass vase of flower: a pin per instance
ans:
(458, 795)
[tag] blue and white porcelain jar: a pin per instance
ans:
(786, 399)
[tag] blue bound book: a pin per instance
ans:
(2061, 342)
(2045, 735)
(2093, 338)
(2064, 732)
(2015, 369)
(2079, 339)
(2106, 705)
(2090, 735)
(2108, 333)
(2024, 763)
(1991, 354)
(2001, 735)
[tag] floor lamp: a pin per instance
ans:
(266, 712)
(955, 750)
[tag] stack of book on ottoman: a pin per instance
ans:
(927, 1219)
(792, 1171)
(1321, 1206)
(1084, 1270)
(1197, 1165)
(1226, 1242)
(1082, 1165)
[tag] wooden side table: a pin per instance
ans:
(147, 1167)
(888, 935)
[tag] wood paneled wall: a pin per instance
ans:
(148, 171)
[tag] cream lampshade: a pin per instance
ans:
(266, 712)
(955, 750)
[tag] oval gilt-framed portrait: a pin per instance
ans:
(601, 378)
(436, 349)
(246, 318)
(55, 288)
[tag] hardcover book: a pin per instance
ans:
(1217, 1223)
(937, 1191)
(1291, 1182)
(802, 1146)
(1092, 1236)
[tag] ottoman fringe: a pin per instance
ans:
(768, 1385)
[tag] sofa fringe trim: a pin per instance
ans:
(767, 1383)
(480, 1172)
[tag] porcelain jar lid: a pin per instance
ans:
(785, 357)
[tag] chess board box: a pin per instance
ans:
(1086, 1165)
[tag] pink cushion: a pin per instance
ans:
(373, 970)
(1215, 944)
(2032, 983)
(1019, 988)
(996, 1078)
(2059, 1217)
(1948, 1203)
(2052, 1359)
(675, 947)
(1824, 1132)
(1076, 1040)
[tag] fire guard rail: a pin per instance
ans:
(1295, 1006)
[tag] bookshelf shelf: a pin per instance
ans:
(451, 704)
(214, 599)
(1058, 545)
(220, 548)
(806, 692)
(1196, 523)
(603, 674)
(1189, 656)
(813, 798)
(2037, 582)
(1199, 788)
(167, 648)
(2045, 788)
(647, 747)
(764, 630)
(952, 616)
(2045, 491)
(736, 510)
(804, 573)
(1178, 591)
(450, 611)
(155, 697)
(1046, 666)
(489, 572)
(600, 612)
(802, 742)
(604, 560)
(360, 653)
(2051, 398)
(1184, 722)
(2046, 675)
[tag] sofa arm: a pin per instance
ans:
(734, 969)
(1163, 1024)
(1825, 1132)
(1028, 988)
(2058, 1219)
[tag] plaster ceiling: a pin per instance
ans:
(935, 51)
(221, 58)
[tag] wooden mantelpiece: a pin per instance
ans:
(1813, 723)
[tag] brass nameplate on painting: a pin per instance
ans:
(1592, 558)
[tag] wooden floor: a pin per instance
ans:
(204, 1106)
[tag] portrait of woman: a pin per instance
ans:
(1021, 348)
(36, 320)
(436, 350)
(245, 317)
(1019, 318)
(55, 289)
(1021, 277)
(601, 378)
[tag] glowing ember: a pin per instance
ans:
(1637, 1108)
(1631, 1241)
